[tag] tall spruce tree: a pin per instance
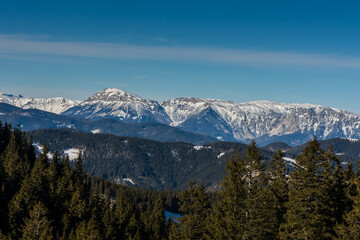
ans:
(37, 226)
(228, 215)
(260, 213)
(194, 203)
(305, 218)
(334, 192)
(278, 187)
(246, 207)
(349, 229)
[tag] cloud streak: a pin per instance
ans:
(12, 46)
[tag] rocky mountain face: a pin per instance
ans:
(33, 119)
(55, 105)
(118, 104)
(264, 121)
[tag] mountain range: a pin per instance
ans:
(264, 121)
(33, 119)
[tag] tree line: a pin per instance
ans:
(49, 199)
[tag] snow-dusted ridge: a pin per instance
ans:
(120, 105)
(264, 121)
(55, 105)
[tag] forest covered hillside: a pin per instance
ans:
(144, 163)
(46, 198)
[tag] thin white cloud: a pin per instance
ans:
(12, 46)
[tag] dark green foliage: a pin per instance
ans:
(246, 208)
(194, 203)
(149, 164)
(37, 226)
(49, 199)
(349, 229)
(308, 215)
(42, 200)
(278, 187)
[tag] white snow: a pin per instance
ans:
(255, 119)
(55, 105)
(129, 180)
(40, 149)
(289, 160)
(73, 153)
(220, 155)
(351, 139)
(243, 121)
(96, 131)
(116, 103)
(197, 148)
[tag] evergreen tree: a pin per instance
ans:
(228, 216)
(88, 230)
(174, 232)
(260, 211)
(305, 217)
(37, 226)
(109, 220)
(157, 220)
(194, 204)
(278, 187)
(334, 194)
(349, 229)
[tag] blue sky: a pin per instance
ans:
(283, 51)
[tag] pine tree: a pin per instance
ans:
(88, 230)
(194, 204)
(109, 220)
(305, 217)
(228, 216)
(278, 187)
(127, 216)
(174, 232)
(260, 213)
(15, 166)
(334, 194)
(349, 229)
(157, 220)
(38, 225)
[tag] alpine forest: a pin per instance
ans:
(45, 196)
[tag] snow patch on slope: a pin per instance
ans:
(40, 148)
(129, 180)
(289, 160)
(96, 131)
(73, 153)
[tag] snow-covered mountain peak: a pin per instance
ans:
(6, 98)
(55, 105)
(114, 95)
(121, 105)
(263, 120)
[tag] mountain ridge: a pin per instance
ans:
(34, 119)
(264, 121)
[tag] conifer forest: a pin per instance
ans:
(44, 197)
